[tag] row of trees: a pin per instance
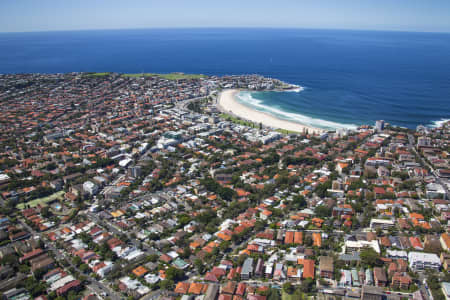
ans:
(213, 186)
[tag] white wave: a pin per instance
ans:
(296, 89)
(248, 99)
(439, 123)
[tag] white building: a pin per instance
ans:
(355, 246)
(125, 162)
(61, 282)
(381, 223)
(134, 285)
(102, 268)
(435, 190)
(397, 254)
(420, 261)
(4, 178)
(446, 290)
(90, 188)
(379, 125)
(423, 141)
(151, 278)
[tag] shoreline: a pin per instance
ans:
(228, 104)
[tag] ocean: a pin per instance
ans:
(348, 78)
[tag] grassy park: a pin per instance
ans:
(42, 201)
(239, 121)
(168, 76)
(101, 74)
(252, 124)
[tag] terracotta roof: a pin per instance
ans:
(308, 268)
(298, 237)
(229, 287)
(218, 272)
(182, 288)
(67, 287)
(241, 289)
(292, 272)
(289, 237)
(140, 271)
(231, 274)
(210, 277)
(225, 297)
(317, 239)
(446, 238)
(196, 288)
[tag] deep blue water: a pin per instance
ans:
(350, 77)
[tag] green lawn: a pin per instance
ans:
(285, 131)
(67, 213)
(293, 296)
(239, 121)
(169, 76)
(97, 74)
(43, 201)
(253, 125)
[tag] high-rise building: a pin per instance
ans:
(379, 125)
(135, 171)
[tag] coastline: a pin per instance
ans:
(228, 104)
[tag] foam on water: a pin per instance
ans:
(247, 98)
(438, 123)
(297, 89)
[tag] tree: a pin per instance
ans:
(186, 252)
(224, 246)
(84, 268)
(104, 248)
(76, 261)
(273, 294)
(241, 259)
(213, 186)
(183, 219)
(272, 158)
(10, 259)
(166, 284)
(24, 269)
(199, 266)
(259, 225)
(34, 287)
(226, 193)
(45, 212)
(308, 241)
(370, 257)
(288, 288)
(307, 286)
(299, 202)
(322, 211)
(434, 285)
(174, 274)
(206, 217)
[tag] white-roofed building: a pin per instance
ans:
(420, 261)
(90, 187)
(381, 223)
(396, 254)
(124, 162)
(61, 282)
(446, 290)
(355, 246)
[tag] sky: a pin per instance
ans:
(52, 15)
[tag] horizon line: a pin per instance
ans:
(225, 27)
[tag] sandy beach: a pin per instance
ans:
(228, 104)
